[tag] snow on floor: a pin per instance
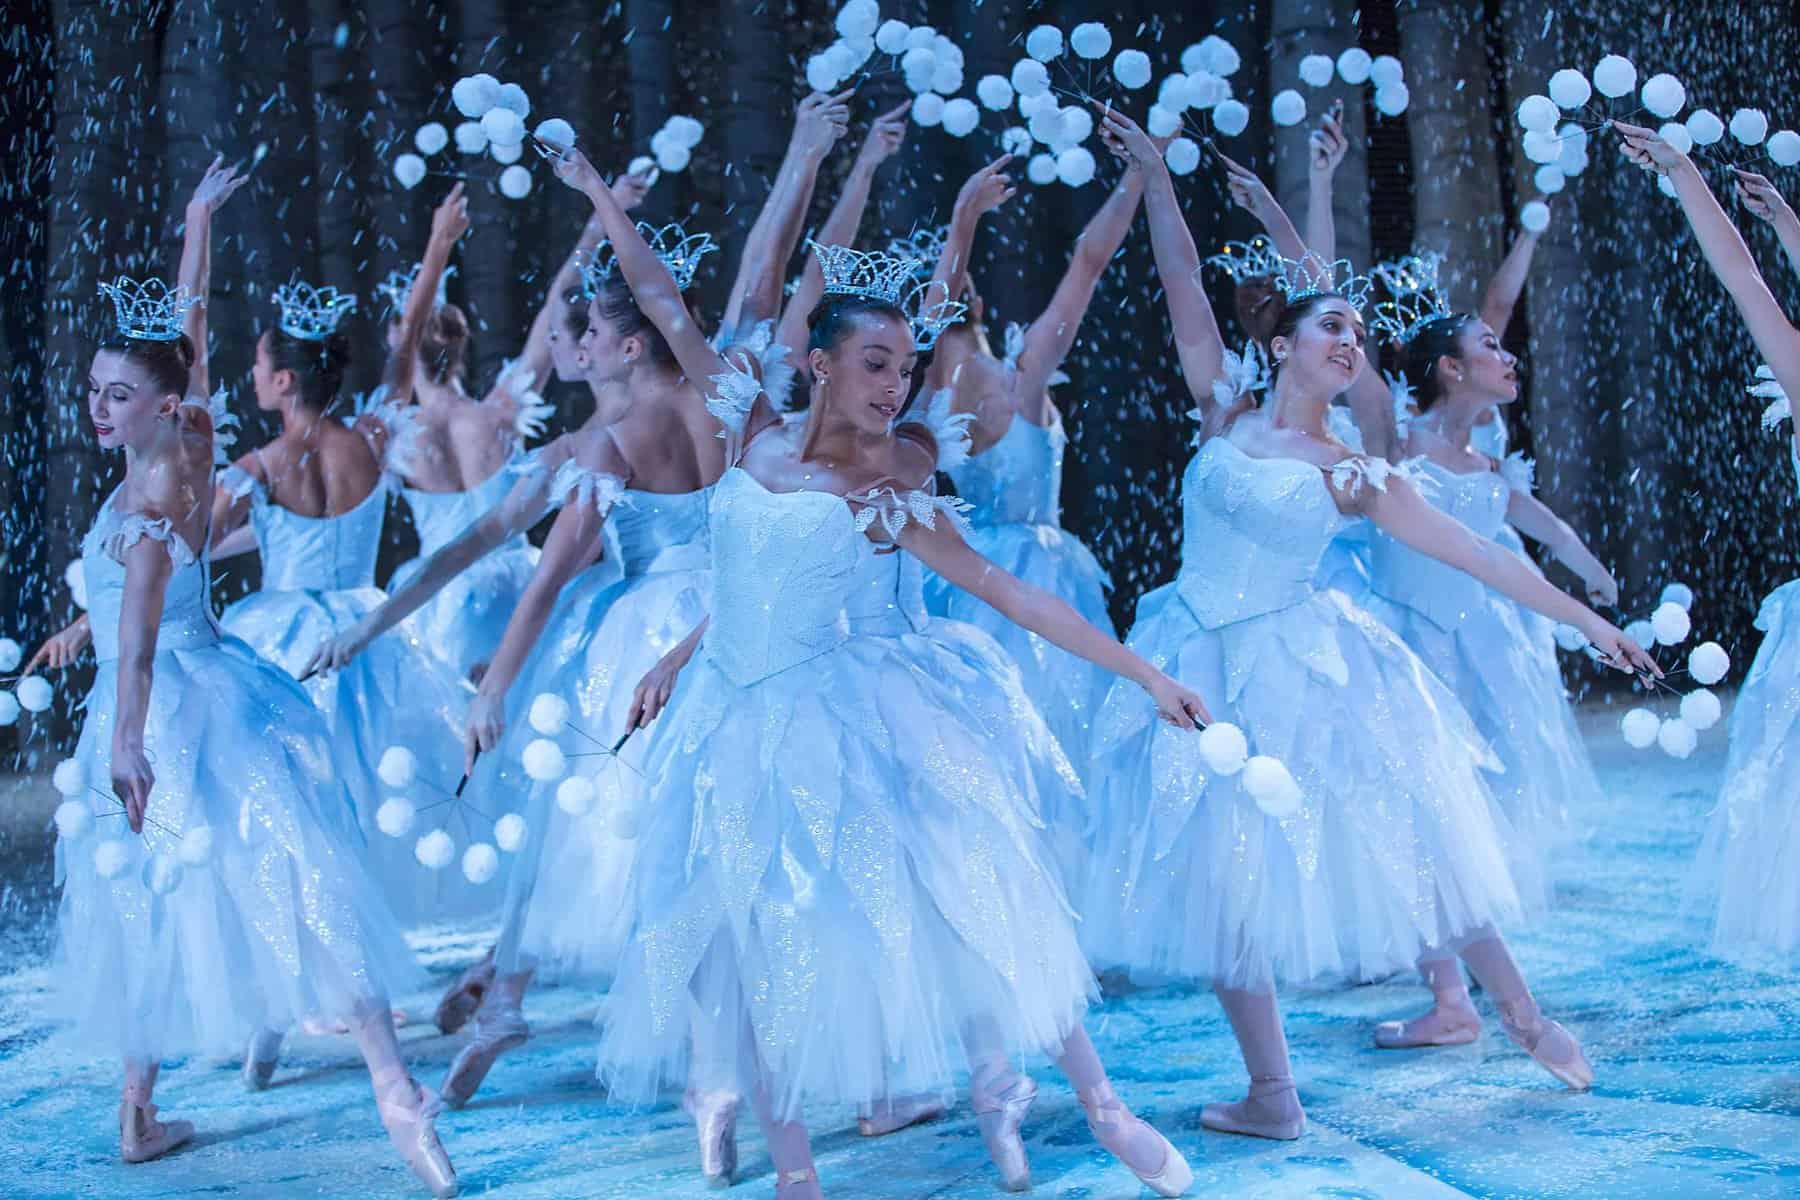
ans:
(1698, 1092)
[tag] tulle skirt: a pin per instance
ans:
(1494, 665)
(1749, 865)
(1539, 629)
(463, 623)
(395, 693)
(277, 922)
(566, 914)
(1066, 689)
(841, 879)
(1397, 846)
(1344, 566)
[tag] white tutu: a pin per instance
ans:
(1749, 864)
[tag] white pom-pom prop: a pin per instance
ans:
(960, 117)
(928, 110)
(1664, 96)
(1316, 70)
(1704, 126)
(891, 37)
(1090, 39)
(1016, 141)
(509, 832)
(474, 95)
(1677, 738)
(1569, 88)
(395, 816)
(1701, 709)
(555, 133)
(196, 846)
(435, 850)
(1676, 134)
(1549, 179)
(34, 693)
(1074, 124)
(859, 18)
(1641, 632)
(1666, 186)
(11, 655)
(1354, 65)
(1041, 169)
(1393, 99)
(9, 709)
(1030, 78)
(471, 138)
(674, 159)
(504, 126)
(1535, 216)
(1640, 727)
(1537, 112)
(1031, 106)
(515, 182)
(73, 819)
(111, 857)
(1044, 43)
(1212, 54)
(1677, 593)
(480, 863)
(1541, 146)
(397, 768)
(1708, 663)
(1750, 126)
(1231, 117)
(1288, 108)
(994, 92)
(1162, 122)
(1206, 91)
(1570, 638)
(431, 138)
(409, 169)
(1075, 166)
(513, 99)
(1223, 748)
(1132, 69)
(69, 778)
(1784, 148)
(921, 35)
(1614, 76)
(1671, 624)
(506, 156)
(822, 73)
(1386, 71)
(1183, 156)
(1272, 787)
(645, 168)
(162, 874)
(625, 820)
(544, 760)
(576, 795)
(549, 713)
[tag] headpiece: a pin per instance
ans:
(679, 250)
(311, 314)
(397, 287)
(1301, 279)
(888, 277)
(1246, 260)
(1416, 298)
(924, 246)
(150, 310)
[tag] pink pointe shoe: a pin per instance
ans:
(1556, 1049)
(802, 1184)
(498, 1028)
(1132, 1141)
(895, 1115)
(409, 1113)
(1444, 1025)
(261, 1057)
(1271, 1110)
(463, 1000)
(715, 1123)
(142, 1137)
(1000, 1116)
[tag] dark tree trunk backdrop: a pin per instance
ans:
(1635, 407)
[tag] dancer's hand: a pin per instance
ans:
(886, 136)
(62, 649)
(628, 190)
(215, 187)
(482, 728)
(1125, 139)
(1327, 145)
(1602, 588)
(820, 121)
(1762, 199)
(1248, 191)
(335, 653)
(1617, 650)
(1647, 149)
(1177, 705)
(132, 780)
(574, 169)
(654, 689)
(451, 220)
(987, 189)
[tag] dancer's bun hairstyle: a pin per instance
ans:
(167, 363)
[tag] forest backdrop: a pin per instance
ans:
(1634, 407)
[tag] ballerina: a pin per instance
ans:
(1474, 640)
(173, 939)
(314, 499)
(1013, 472)
(1391, 846)
(1749, 862)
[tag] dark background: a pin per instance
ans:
(1637, 364)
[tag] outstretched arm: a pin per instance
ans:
(1325, 151)
(1504, 290)
(1533, 518)
(448, 223)
(1766, 203)
(984, 191)
(195, 273)
(658, 684)
(1251, 194)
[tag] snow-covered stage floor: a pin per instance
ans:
(1698, 1092)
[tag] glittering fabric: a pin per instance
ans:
(841, 864)
(1397, 845)
(317, 582)
(282, 922)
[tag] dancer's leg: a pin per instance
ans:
(1272, 1108)
(1001, 1095)
(789, 1149)
(261, 1057)
(141, 1136)
(499, 1026)
(712, 1099)
(1556, 1049)
(464, 996)
(1452, 1020)
(1141, 1148)
(408, 1111)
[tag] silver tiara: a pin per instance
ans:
(1254, 259)
(396, 289)
(1416, 296)
(924, 246)
(892, 279)
(679, 250)
(930, 311)
(150, 310)
(311, 314)
(1310, 275)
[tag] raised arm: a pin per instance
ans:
(1533, 518)
(1508, 284)
(1251, 194)
(984, 191)
(1776, 338)
(819, 122)
(1325, 151)
(1766, 203)
(448, 223)
(195, 273)
(886, 135)
(1197, 340)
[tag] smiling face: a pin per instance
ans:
(124, 402)
(1325, 348)
(866, 377)
(1481, 370)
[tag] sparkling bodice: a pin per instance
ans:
(887, 596)
(656, 531)
(187, 619)
(784, 565)
(1255, 529)
(301, 553)
(1017, 480)
(440, 516)
(1428, 586)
